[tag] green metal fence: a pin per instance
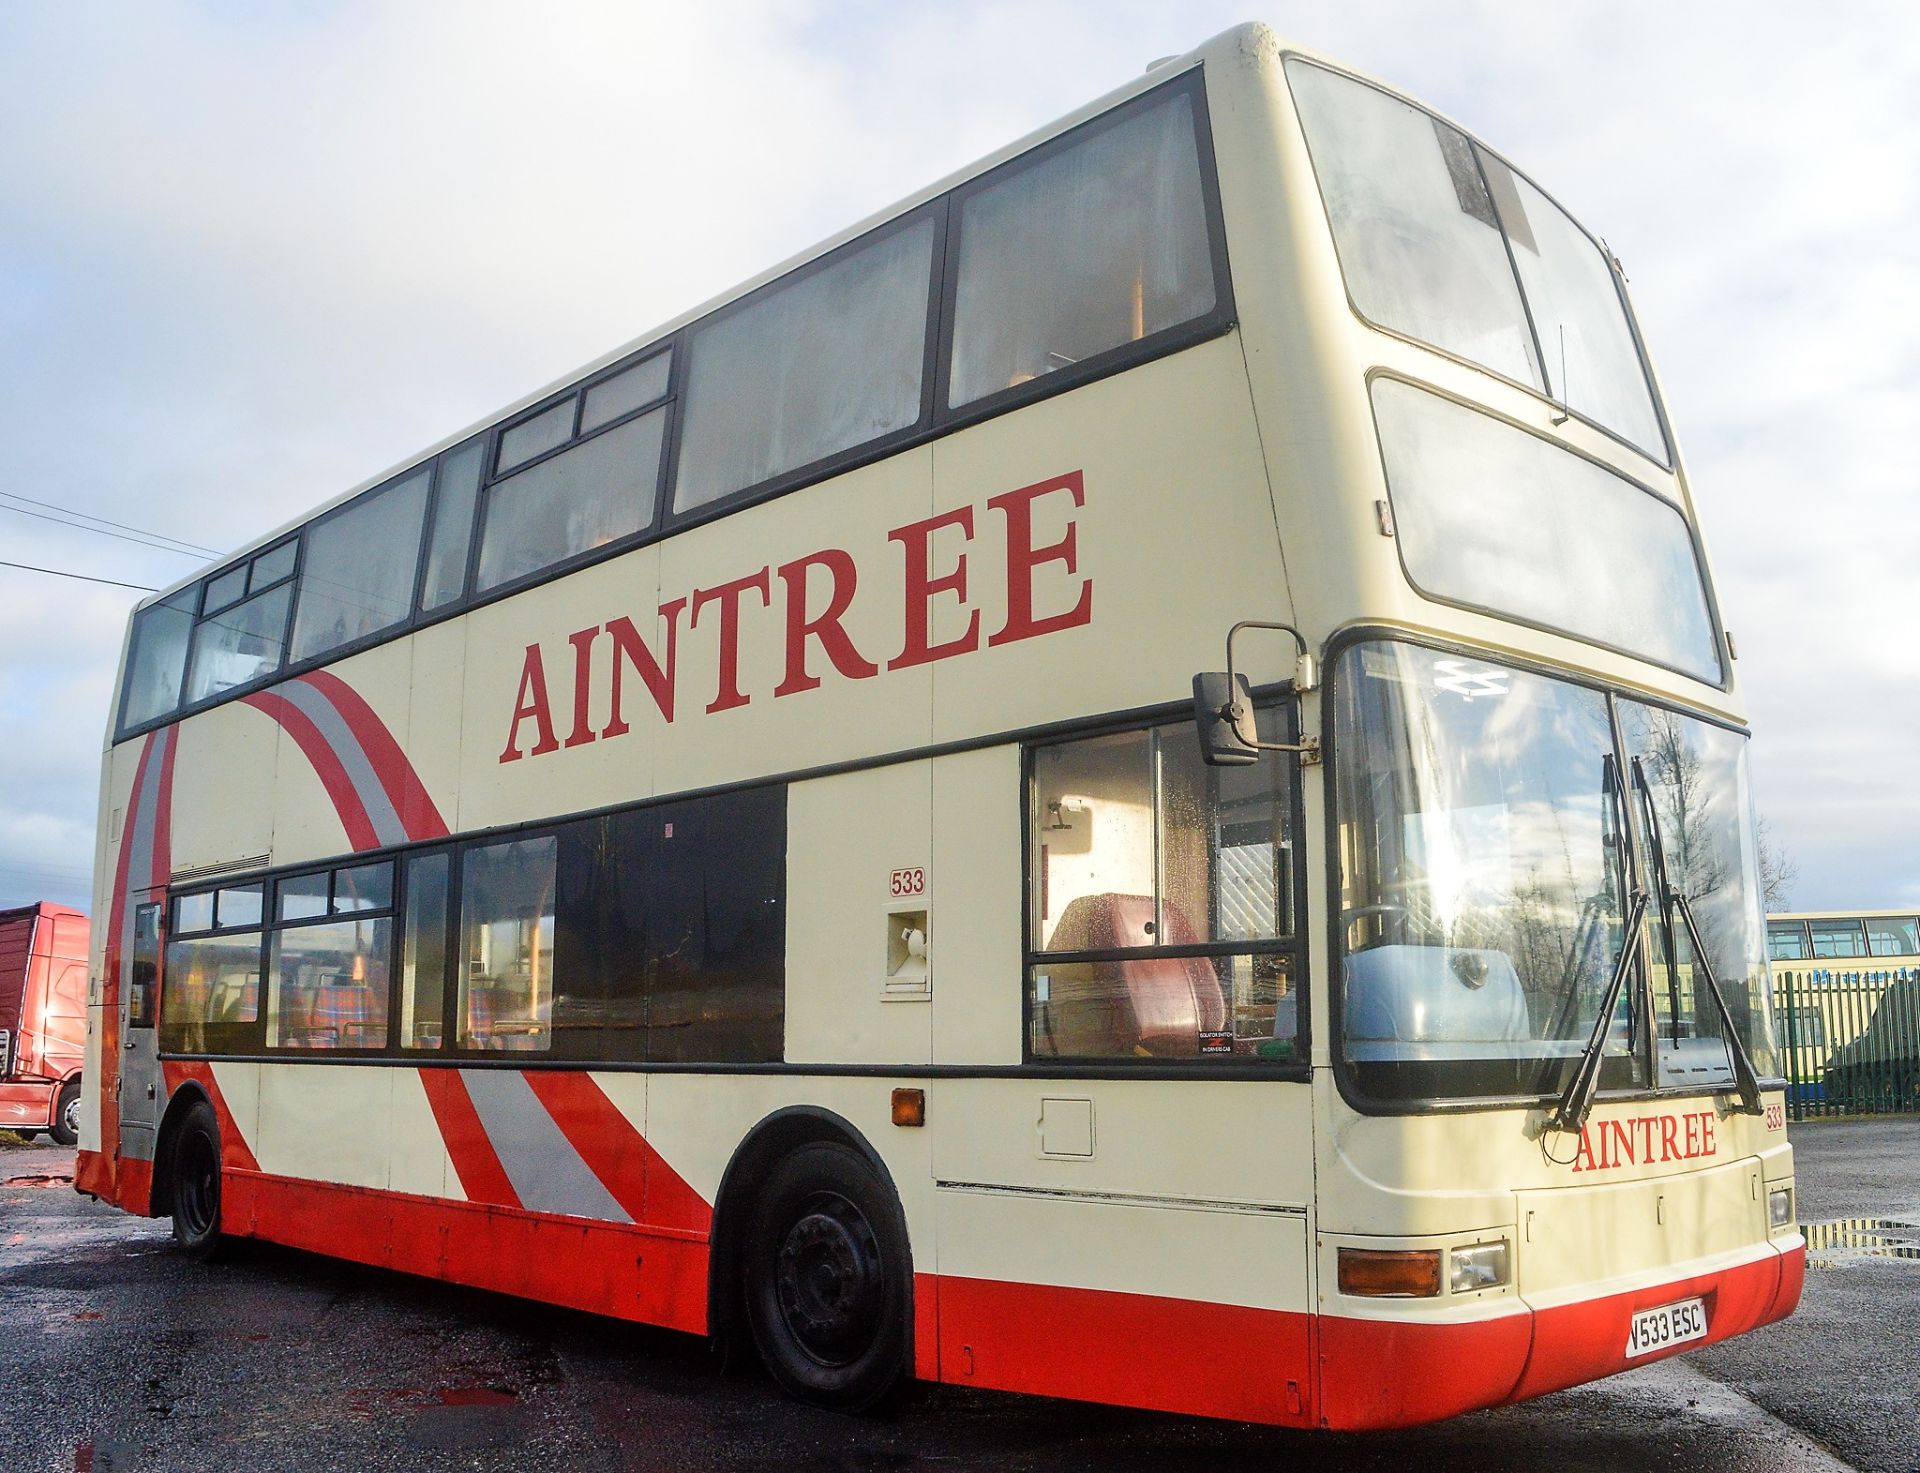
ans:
(1850, 1036)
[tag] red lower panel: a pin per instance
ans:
(93, 1175)
(1581, 1342)
(1174, 1355)
(655, 1276)
(26, 1105)
(1398, 1373)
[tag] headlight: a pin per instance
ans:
(1483, 1266)
(1780, 1207)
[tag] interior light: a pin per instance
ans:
(1378, 1273)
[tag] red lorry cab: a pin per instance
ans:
(43, 1019)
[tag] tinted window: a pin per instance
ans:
(423, 972)
(329, 985)
(304, 897)
(360, 567)
(507, 951)
(1101, 243)
(238, 906)
(158, 661)
(1491, 516)
(598, 492)
(715, 907)
(819, 364)
(210, 999)
(239, 645)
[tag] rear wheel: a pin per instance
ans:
(827, 1280)
(196, 1183)
(65, 1129)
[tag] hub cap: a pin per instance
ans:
(829, 1281)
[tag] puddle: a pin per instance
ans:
(51, 1180)
(1850, 1238)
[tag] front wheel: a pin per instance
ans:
(65, 1128)
(827, 1276)
(196, 1183)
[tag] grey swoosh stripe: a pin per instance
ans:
(353, 757)
(547, 1173)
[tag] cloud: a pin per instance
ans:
(250, 256)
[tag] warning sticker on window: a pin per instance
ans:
(1216, 1043)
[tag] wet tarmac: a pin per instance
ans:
(116, 1354)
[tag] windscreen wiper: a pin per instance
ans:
(1577, 1099)
(1746, 1079)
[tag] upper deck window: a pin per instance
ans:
(828, 360)
(1441, 241)
(360, 568)
(1495, 518)
(157, 662)
(1787, 941)
(236, 643)
(1088, 248)
(1893, 935)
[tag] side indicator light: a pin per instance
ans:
(1374, 1273)
(909, 1107)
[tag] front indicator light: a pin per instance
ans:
(1779, 1207)
(1375, 1273)
(1483, 1266)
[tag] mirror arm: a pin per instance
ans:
(1306, 677)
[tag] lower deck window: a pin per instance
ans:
(507, 952)
(1161, 902)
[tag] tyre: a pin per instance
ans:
(195, 1180)
(65, 1129)
(827, 1280)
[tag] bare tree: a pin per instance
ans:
(1778, 868)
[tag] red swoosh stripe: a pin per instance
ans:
(234, 1150)
(326, 766)
(475, 1162)
(409, 795)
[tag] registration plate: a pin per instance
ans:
(1671, 1324)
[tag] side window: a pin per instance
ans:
(715, 901)
(361, 563)
(1161, 901)
(554, 504)
(452, 525)
(1787, 941)
(211, 1001)
(237, 643)
(157, 662)
(506, 955)
(328, 967)
(423, 971)
(143, 992)
(1893, 936)
(1094, 245)
(819, 364)
(1837, 939)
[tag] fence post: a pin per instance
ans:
(1795, 1107)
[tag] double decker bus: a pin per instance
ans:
(756, 837)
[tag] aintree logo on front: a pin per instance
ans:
(815, 592)
(1645, 1140)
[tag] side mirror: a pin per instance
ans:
(1223, 707)
(1221, 703)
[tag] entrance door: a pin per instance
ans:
(140, 1091)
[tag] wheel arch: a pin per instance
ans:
(785, 1130)
(182, 1100)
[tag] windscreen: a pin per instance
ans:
(1441, 241)
(1493, 824)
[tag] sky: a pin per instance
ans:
(252, 255)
